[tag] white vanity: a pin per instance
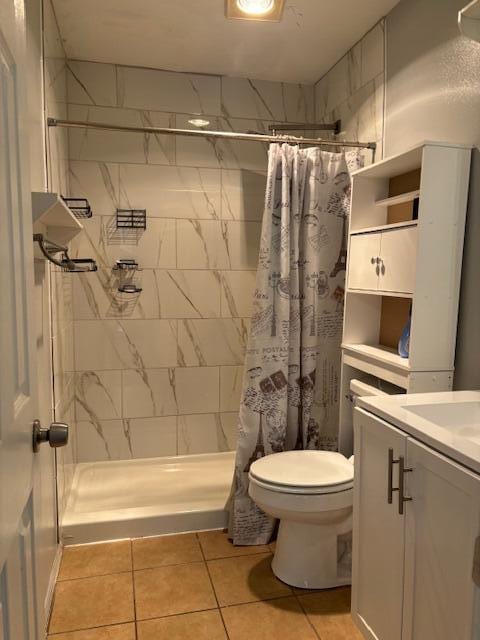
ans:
(416, 564)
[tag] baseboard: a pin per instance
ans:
(51, 585)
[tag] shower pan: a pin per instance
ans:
(146, 497)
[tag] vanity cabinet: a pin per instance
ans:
(384, 261)
(416, 523)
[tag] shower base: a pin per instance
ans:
(147, 497)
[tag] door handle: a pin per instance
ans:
(391, 488)
(402, 498)
(56, 435)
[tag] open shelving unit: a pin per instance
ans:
(406, 234)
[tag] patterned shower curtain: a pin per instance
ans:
(292, 367)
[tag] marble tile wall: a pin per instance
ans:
(353, 92)
(160, 373)
(60, 284)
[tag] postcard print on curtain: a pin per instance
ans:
(292, 367)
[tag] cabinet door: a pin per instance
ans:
(398, 252)
(442, 524)
(378, 530)
(362, 264)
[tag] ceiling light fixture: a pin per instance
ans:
(199, 122)
(255, 7)
(263, 10)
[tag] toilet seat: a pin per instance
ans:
(303, 472)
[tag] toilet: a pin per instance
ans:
(311, 493)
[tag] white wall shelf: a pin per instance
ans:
(385, 227)
(400, 199)
(469, 20)
(400, 268)
(53, 218)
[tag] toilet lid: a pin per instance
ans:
(303, 469)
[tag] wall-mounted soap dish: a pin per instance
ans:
(129, 287)
(80, 207)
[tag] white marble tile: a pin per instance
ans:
(243, 241)
(91, 83)
(212, 342)
(197, 389)
(153, 437)
(206, 433)
(354, 58)
(231, 381)
(53, 44)
(168, 91)
(239, 154)
(198, 152)
(97, 295)
(55, 80)
(171, 192)
(264, 100)
(99, 394)
(243, 194)
(96, 181)
(149, 392)
(154, 247)
(188, 294)
(373, 53)
(114, 146)
(237, 291)
(201, 244)
(337, 87)
(124, 344)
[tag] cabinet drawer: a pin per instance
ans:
(363, 267)
(398, 251)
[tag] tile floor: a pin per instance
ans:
(194, 586)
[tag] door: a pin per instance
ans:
(363, 262)
(378, 529)
(18, 402)
(442, 525)
(398, 253)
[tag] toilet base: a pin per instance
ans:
(306, 556)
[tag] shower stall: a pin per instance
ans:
(148, 349)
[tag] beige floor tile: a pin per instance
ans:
(92, 602)
(246, 579)
(329, 613)
(281, 619)
(205, 625)
(164, 591)
(215, 544)
(165, 550)
(89, 560)
(117, 632)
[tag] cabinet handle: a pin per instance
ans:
(391, 488)
(402, 498)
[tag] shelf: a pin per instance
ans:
(52, 217)
(403, 197)
(385, 227)
(383, 355)
(383, 294)
(469, 20)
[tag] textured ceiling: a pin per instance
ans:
(194, 36)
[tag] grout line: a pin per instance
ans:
(297, 598)
(213, 586)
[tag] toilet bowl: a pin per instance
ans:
(311, 493)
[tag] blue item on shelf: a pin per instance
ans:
(404, 342)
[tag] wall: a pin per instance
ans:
(60, 295)
(353, 92)
(444, 69)
(160, 373)
(432, 93)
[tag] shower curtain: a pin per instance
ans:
(292, 366)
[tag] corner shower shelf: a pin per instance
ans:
(52, 217)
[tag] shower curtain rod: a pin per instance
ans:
(204, 133)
